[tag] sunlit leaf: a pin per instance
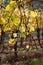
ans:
(14, 34)
(27, 46)
(32, 29)
(16, 20)
(2, 20)
(33, 13)
(22, 28)
(11, 41)
(8, 8)
(17, 12)
(5, 28)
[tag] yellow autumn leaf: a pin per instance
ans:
(33, 13)
(17, 12)
(8, 8)
(26, 13)
(12, 2)
(32, 29)
(22, 28)
(2, 20)
(6, 28)
(11, 24)
(16, 21)
(15, 34)
(11, 41)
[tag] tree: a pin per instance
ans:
(20, 21)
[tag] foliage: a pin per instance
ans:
(19, 18)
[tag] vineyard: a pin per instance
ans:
(21, 31)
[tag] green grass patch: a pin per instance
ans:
(37, 63)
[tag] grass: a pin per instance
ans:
(33, 63)
(37, 63)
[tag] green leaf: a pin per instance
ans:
(22, 35)
(16, 20)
